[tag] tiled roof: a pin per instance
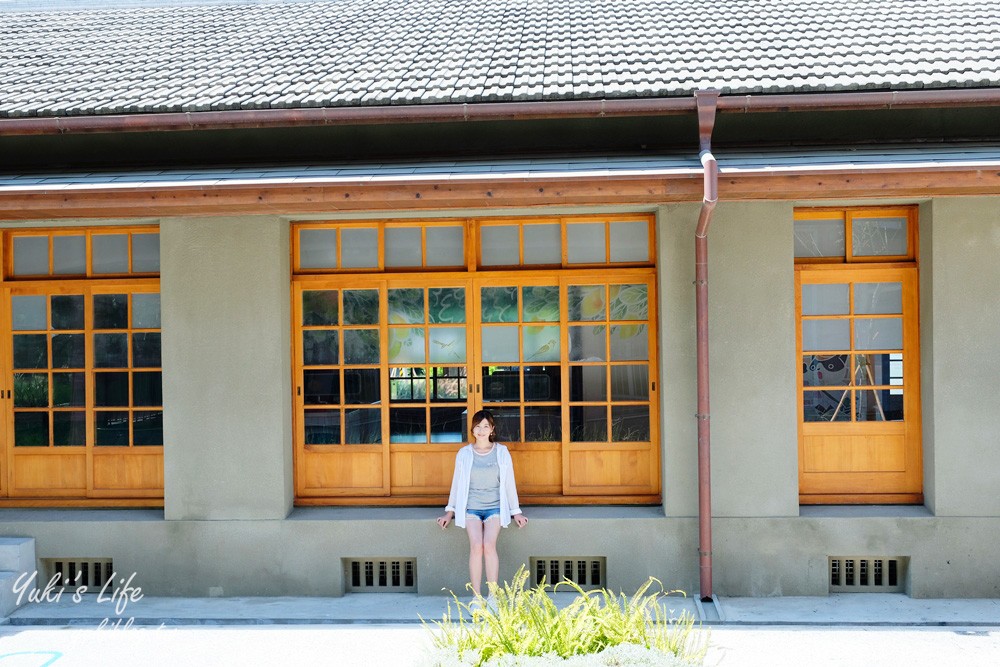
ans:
(145, 57)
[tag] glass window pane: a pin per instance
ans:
(448, 424)
(110, 311)
(629, 302)
(878, 369)
(318, 249)
(447, 345)
(320, 347)
(588, 383)
(542, 383)
(363, 427)
(110, 255)
(31, 256)
(68, 351)
(31, 429)
(878, 405)
(146, 253)
(630, 423)
(406, 306)
(826, 299)
(146, 311)
(69, 429)
(403, 246)
(67, 311)
(629, 241)
(878, 334)
(28, 313)
(69, 255)
(361, 346)
(407, 425)
(543, 424)
(819, 238)
(147, 428)
(500, 245)
(508, 424)
(319, 308)
(362, 385)
(111, 428)
(540, 303)
(879, 236)
(445, 246)
(542, 244)
(826, 406)
(630, 383)
(359, 248)
(826, 335)
(588, 343)
(31, 351)
(31, 390)
(322, 427)
(407, 385)
(406, 345)
(585, 243)
(446, 305)
(146, 350)
(588, 423)
(825, 370)
(878, 298)
(111, 390)
(147, 389)
(501, 383)
(69, 390)
(629, 342)
(500, 344)
(361, 306)
(449, 384)
(321, 387)
(585, 302)
(111, 350)
(541, 344)
(498, 304)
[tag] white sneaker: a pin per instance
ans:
(491, 603)
(476, 604)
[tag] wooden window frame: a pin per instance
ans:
(847, 215)
(88, 233)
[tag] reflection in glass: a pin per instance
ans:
(407, 385)
(825, 370)
(69, 255)
(449, 384)
(67, 311)
(69, 429)
(542, 244)
(585, 302)
(146, 253)
(109, 254)
(878, 334)
(111, 350)
(588, 343)
(110, 311)
(31, 256)
(542, 383)
(629, 342)
(629, 241)
(67, 351)
(319, 308)
(146, 350)
(500, 344)
(362, 427)
(879, 236)
(318, 248)
(30, 351)
(361, 346)
(540, 303)
(501, 383)
(111, 389)
(499, 304)
(878, 298)
(31, 429)
(147, 428)
(630, 383)
(878, 405)
(147, 389)
(320, 347)
(507, 422)
(403, 246)
(406, 345)
(360, 306)
(31, 390)
(445, 246)
(820, 238)
(585, 243)
(69, 390)
(588, 423)
(362, 385)
(447, 345)
(111, 428)
(359, 248)
(446, 305)
(628, 302)
(321, 387)
(826, 335)
(630, 423)
(588, 383)
(543, 424)
(146, 311)
(448, 424)
(407, 425)
(28, 313)
(500, 245)
(825, 406)
(322, 427)
(406, 306)
(833, 299)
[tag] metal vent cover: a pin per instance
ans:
(588, 572)
(380, 575)
(75, 573)
(868, 574)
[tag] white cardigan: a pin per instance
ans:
(458, 500)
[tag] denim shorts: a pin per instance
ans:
(483, 515)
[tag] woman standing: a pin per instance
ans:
(483, 498)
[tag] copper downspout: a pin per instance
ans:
(491, 111)
(706, 104)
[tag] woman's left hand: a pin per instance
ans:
(520, 520)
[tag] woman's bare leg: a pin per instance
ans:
(491, 531)
(474, 527)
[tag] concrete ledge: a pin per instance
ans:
(17, 554)
(864, 512)
(82, 514)
(548, 512)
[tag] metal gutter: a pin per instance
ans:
(492, 111)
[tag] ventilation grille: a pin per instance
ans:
(74, 573)
(380, 575)
(868, 574)
(587, 572)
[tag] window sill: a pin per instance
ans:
(864, 511)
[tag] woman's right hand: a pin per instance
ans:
(445, 519)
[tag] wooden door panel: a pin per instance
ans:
(420, 471)
(44, 474)
(128, 471)
(538, 470)
(859, 453)
(611, 470)
(342, 472)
